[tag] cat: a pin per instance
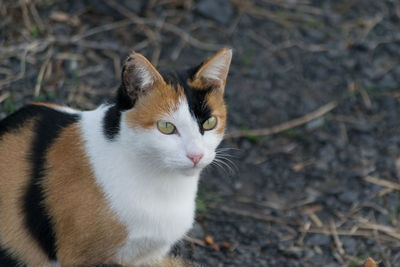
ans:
(115, 185)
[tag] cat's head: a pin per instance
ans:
(174, 120)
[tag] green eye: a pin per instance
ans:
(210, 123)
(166, 127)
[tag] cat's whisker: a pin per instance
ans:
(223, 151)
(228, 161)
(222, 166)
(226, 165)
(227, 148)
(216, 164)
(227, 157)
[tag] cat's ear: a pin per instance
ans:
(213, 72)
(139, 76)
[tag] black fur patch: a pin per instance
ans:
(49, 124)
(123, 100)
(16, 120)
(111, 122)
(7, 260)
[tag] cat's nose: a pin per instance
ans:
(195, 158)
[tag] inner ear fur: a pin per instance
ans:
(213, 72)
(139, 76)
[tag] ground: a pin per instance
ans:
(320, 191)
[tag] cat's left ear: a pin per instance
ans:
(213, 72)
(138, 77)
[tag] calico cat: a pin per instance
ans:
(115, 185)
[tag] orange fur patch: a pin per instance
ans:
(86, 229)
(15, 175)
(150, 108)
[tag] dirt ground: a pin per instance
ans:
(313, 176)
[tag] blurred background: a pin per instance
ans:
(312, 175)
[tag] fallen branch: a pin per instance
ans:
(340, 232)
(339, 244)
(286, 125)
(381, 182)
(393, 232)
(42, 70)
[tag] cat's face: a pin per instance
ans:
(178, 118)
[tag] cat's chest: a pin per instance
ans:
(146, 216)
(153, 222)
(156, 211)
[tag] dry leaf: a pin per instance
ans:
(209, 240)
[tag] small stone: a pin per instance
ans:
(348, 197)
(315, 124)
(237, 185)
(318, 240)
(225, 245)
(218, 10)
(350, 245)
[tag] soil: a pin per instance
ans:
(325, 193)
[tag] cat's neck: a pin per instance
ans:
(117, 163)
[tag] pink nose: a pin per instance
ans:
(195, 158)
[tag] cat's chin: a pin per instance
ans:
(190, 172)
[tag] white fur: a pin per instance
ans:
(67, 110)
(148, 180)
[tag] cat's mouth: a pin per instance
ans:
(192, 170)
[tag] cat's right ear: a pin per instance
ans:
(138, 77)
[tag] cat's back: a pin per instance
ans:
(37, 116)
(26, 134)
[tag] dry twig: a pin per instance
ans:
(165, 25)
(42, 72)
(381, 182)
(257, 216)
(286, 125)
(336, 238)
(4, 96)
(194, 240)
